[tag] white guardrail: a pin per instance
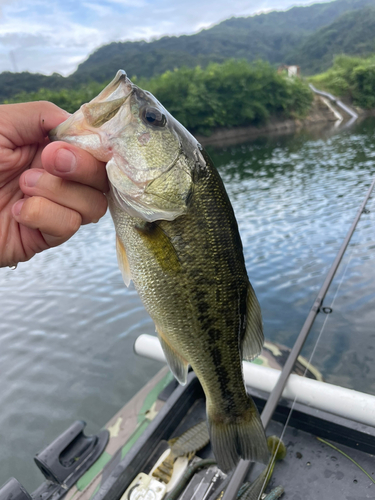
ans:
(339, 103)
(339, 401)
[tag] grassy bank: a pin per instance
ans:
(234, 93)
(351, 78)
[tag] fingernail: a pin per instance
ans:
(32, 177)
(16, 209)
(65, 161)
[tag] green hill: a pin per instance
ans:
(14, 83)
(271, 37)
(353, 33)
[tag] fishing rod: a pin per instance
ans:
(243, 467)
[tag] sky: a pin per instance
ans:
(46, 36)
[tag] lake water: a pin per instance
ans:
(68, 323)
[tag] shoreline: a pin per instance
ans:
(320, 117)
(239, 134)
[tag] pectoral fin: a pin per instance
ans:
(253, 339)
(123, 262)
(177, 364)
(161, 246)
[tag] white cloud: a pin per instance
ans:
(130, 3)
(52, 36)
(100, 10)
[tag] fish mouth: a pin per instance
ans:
(52, 135)
(76, 132)
(64, 130)
(117, 86)
(82, 128)
(120, 78)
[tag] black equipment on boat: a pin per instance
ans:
(13, 490)
(62, 463)
(72, 453)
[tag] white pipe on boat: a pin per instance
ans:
(340, 401)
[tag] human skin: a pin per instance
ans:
(47, 190)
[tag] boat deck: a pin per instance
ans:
(162, 410)
(311, 470)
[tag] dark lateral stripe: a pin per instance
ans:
(221, 371)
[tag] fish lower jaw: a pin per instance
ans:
(89, 142)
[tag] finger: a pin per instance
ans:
(56, 223)
(72, 163)
(29, 123)
(90, 203)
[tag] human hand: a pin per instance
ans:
(47, 190)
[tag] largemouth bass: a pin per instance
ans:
(178, 240)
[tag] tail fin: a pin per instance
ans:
(238, 438)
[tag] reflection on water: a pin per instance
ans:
(68, 323)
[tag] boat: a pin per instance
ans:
(157, 447)
(124, 453)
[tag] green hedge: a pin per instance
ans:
(234, 93)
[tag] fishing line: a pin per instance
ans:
(243, 467)
(304, 375)
(310, 360)
(331, 307)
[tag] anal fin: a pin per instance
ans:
(253, 340)
(123, 262)
(177, 364)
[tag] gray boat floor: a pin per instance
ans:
(312, 470)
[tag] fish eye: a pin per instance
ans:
(153, 116)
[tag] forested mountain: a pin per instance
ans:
(318, 31)
(270, 37)
(353, 33)
(14, 83)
